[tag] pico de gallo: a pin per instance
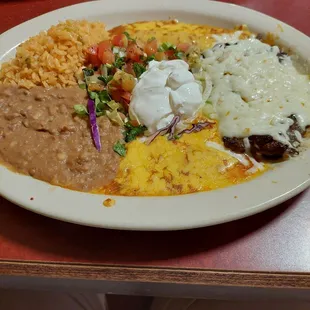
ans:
(112, 70)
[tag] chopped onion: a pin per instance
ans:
(115, 50)
(104, 70)
(122, 54)
(93, 123)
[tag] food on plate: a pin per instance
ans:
(177, 33)
(41, 138)
(150, 108)
(259, 97)
(52, 58)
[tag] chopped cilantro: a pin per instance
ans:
(105, 79)
(119, 62)
(166, 46)
(88, 72)
(80, 109)
(132, 132)
(93, 95)
(100, 113)
(179, 55)
(151, 39)
(128, 36)
(100, 108)
(120, 148)
(104, 96)
(101, 99)
(139, 69)
(150, 58)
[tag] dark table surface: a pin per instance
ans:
(277, 240)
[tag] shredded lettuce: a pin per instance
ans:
(82, 85)
(114, 105)
(114, 117)
(80, 109)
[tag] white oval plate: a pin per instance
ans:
(158, 213)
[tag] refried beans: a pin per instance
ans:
(41, 136)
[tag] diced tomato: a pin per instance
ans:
(128, 68)
(93, 50)
(117, 30)
(116, 94)
(159, 56)
(105, 53)
(95, 87)
(134, 123)
(120, 40)
(122, 97)
(151, 47)
(126, 96)
(183, 47)
(128, 82)
(104, 46)
(107, 57)
(123, 81)
(134, 52)
(92, 56)
(170, 54)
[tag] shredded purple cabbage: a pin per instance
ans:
(170, 128)
(93, 123)
(195, 128)
(173, 127)
(164, 130)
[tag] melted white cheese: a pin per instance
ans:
(253, 92)
(227, 37)
(243, 159)
(166, 89)
(240, 157)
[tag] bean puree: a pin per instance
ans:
(41, 136)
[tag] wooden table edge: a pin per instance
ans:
(155, 274)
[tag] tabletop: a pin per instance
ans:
(269, 249)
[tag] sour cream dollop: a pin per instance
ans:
(166, 89)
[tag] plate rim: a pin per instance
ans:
(230, 216)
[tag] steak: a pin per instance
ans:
(264, 146)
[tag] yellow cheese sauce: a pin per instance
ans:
(182, 166)
(185, 165)
(174, 32)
